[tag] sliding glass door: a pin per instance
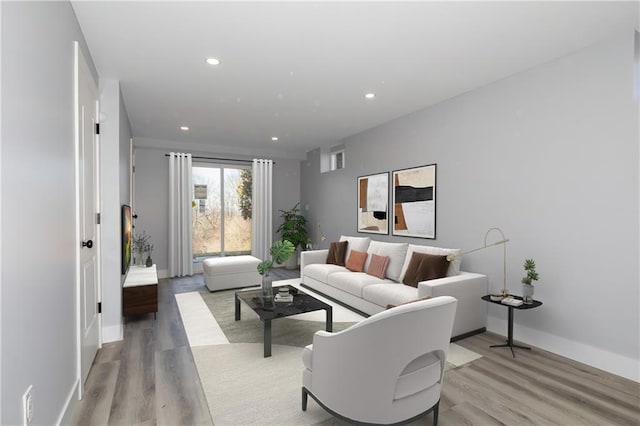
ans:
(221, 210)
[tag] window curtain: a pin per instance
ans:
(180, 219)
(261, 232)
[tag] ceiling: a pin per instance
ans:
(299, 70)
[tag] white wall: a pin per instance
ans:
(114, 191)
(152, 198)
(549, 155)
(38, 304)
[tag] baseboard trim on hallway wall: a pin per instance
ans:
(66, 415)
(595, 357)
(112, 333)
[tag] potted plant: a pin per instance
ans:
(294, 230)
(280, 251)
(527, 286)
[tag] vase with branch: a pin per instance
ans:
(142, 248)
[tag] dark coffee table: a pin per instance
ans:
(268, 310)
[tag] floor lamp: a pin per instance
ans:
(502, 242)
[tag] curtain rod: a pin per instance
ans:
(195, 157)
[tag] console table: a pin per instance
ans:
(510, 343)
(140, 291)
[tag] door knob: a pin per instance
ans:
(87, 244)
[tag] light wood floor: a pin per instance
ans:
(150, 378)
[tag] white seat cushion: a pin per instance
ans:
(321, 271)
(389, 294)
(353, 282)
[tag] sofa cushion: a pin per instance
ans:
(321, 271)
(355, 243)
(377, 265)
(454, 265)
(389, 293)
(396, 252)
(354, 282)
(425, 266)
(337, 253)
(356, 261)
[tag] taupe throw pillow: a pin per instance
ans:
(337, 253)
(389, 306)
(423, 266)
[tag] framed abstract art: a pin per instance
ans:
(414, 202)
(373, 203)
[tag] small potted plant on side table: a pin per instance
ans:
(527, 287)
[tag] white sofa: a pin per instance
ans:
(371, 295)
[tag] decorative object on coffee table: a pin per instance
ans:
(414, 202)
(373, 203)
(527, 286)
(280, 251)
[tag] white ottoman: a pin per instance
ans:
(221, 273)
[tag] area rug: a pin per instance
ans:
(240, 385)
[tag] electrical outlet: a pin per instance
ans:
(27, 406)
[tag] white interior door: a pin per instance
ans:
(87, 169)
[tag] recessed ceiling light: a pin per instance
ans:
(370, 95)
(274, 138)
(184, 128)
(213, 61)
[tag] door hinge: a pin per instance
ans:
(97, 128)
(99, 307)
(98, 218)
(133, 169)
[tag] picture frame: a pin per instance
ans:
(414, 202)
(373, 203)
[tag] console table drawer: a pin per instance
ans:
(140, 300)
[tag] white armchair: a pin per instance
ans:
(386, 369)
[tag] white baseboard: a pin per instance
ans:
(66, 415)
(112, 333)
(163, 273)
(595, 357)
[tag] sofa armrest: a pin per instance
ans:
(465, 281)
(310, 257)
(468, 288)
